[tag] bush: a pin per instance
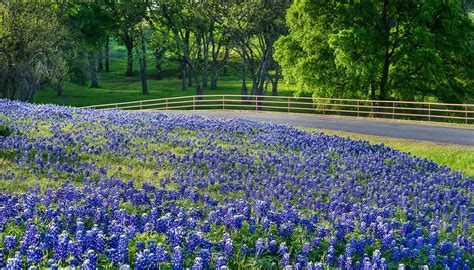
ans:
(5, 131)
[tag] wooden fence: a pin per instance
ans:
(405, 110)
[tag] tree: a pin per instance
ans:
(127, 14)
(142, 54)
(30, 35)
(378, 49)
(255, 27)
(160, 41)
(180, 18)
(57, 71)
(92, 22)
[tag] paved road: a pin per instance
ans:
(441, 134)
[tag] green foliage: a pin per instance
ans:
(397, 49)
(5, 131)
(379, 49)
(32, 47)
(91, 22)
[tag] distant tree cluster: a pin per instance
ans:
(389, 49)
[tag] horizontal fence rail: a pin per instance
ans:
(402, 110)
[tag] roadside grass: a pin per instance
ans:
(457, 157)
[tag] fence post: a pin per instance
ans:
(256, 103)
(116, 106)
(141, 105)
(289, 106)
(429, 112)
(393, 109)
(358, 109)
(466, 115)
(166, 103)
(194, 103)
(223, 102)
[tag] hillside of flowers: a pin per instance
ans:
(140, 190)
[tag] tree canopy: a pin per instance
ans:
(391, 49)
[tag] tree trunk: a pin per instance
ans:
(128, 41)
(206, 63)
(387, 58)
(100, 62)
(243, 88)
(199, 89)
(384, 77)
(275, 87)
(193, 73)
(13, 87)
(190, 76)
(158, 58)
(254, 86)
(129, 61)
(372, 91)
(107, 64)
(94, 81)
(213, 78)
(275, 80)
(184, 84)
(215, 62)
(143, 65)
(226, 61)
(59, 89)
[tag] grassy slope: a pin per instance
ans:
(460, 158)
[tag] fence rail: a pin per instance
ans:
(404, 110)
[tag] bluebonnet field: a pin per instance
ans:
(137, 190)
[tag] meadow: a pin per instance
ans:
(141, 190)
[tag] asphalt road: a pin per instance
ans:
(439, 134)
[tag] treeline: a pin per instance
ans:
(44, 43)
(367, 49)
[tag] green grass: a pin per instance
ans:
(457, 157)
(116, 87)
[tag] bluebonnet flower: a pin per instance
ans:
(205, 256)
(198, 264)
(445, 247)
(244, 249)
(228, 248)
(306, 249)
(122, 250)
(15, 262)
(285, 260)
(34, 255)
(272, 246)
(9, 243)
(330, 256)
(258, 247)
(143, 260)
(61, 249)
(1, 258)
(220, 262)
(177, 260)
